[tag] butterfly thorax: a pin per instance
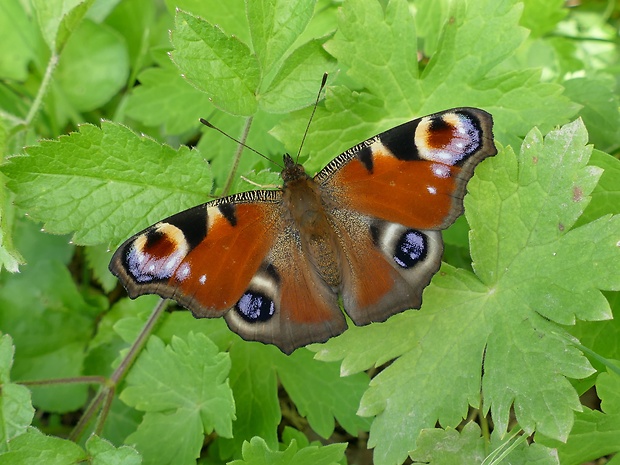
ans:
(306, 214)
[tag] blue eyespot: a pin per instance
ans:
(255, 307)
(410, 249)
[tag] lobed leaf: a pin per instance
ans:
(256, 452)
(183, 389)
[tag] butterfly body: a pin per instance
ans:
(365, 229)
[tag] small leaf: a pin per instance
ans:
(219, 65)
(306, 381)
(18, 37)
(165, 98)
(183, 389)
(35, 447)
(297, 83)
(58, 19)
(256, 452)
(16, 410)
(97, 54)
(255, 386)
(104, 453)
(601, 108)
(275, 25)
(10, 258)
(595, 433)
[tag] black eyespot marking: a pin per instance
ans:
(365, 156)
(401, 141)
(410, 249)
(193, 224)
(255, 307)
(228, 211)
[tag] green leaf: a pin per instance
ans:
(297, 82)
(10, 258)
(104, 453)
(256, 452)
(606, 194)
(467, 447)
(542, 16)
(274, 26)
(19, 40)
(97, 54)
(436, 446)
(58, 19)
(35, 447)
(601, 108)
(98, 257)
(101, 177)
(184, 391)
(430, 18)
(51, 329)
(16, 410)
(137, 22)
(306, 381)
(369, 58)
(165, 98)
(595, 433)
(255, 387)
(221, 66)
(395, 90)
(229, 15)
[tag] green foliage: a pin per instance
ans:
(257, 452)
(178, 394)
(514, 329)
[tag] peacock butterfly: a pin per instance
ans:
(366, 228)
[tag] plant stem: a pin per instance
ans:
(72, 380)
(106, 393)
(233, 171)
(45, 83)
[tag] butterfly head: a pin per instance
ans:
(292, 171)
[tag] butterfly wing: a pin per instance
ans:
(241, 256)
(297, 306)
(234, 257)
(392, 194)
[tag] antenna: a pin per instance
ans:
(209, 125)
(318, 96)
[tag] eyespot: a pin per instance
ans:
(410, 249)
(448, 138)
(255, 307)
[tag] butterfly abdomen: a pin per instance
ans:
(303, 201)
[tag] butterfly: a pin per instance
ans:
(364, 233)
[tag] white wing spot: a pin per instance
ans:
(441, 171)
(183, 272)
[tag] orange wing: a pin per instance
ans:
(414, 174)
(234, 257)
(391, 195)
(203, 257)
